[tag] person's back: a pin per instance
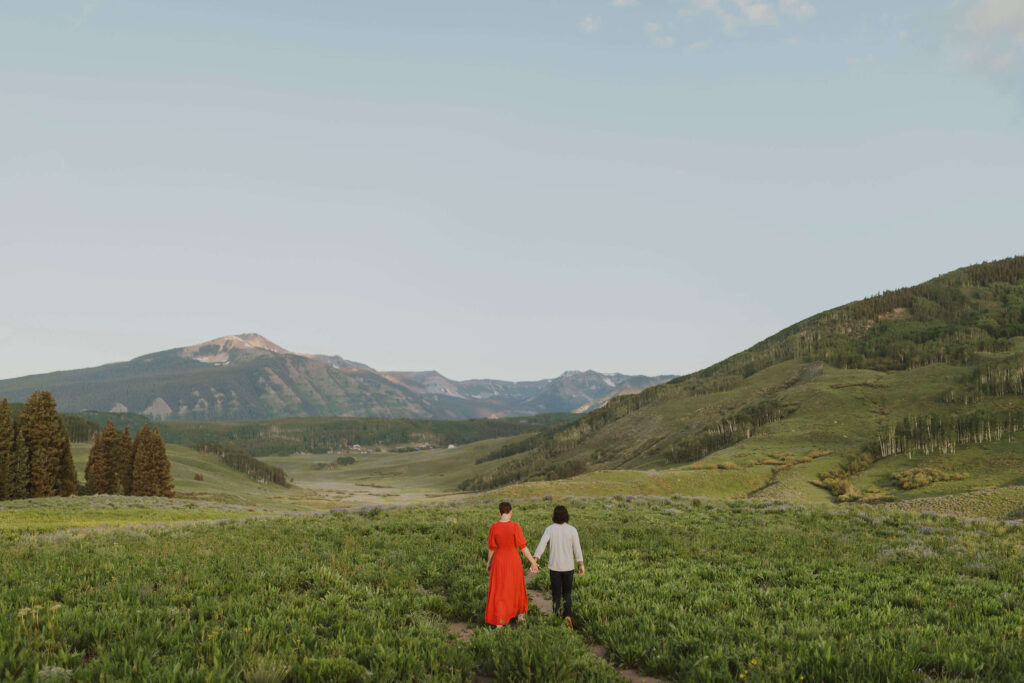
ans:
(564, 540)
(565, 547)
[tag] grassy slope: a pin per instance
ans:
(889, 357)
(220, 483)
(417, 475)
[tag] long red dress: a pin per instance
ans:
(506, 594)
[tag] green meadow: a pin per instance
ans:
(676, 587)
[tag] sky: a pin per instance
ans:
(503, 190)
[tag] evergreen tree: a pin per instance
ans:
(142, 483)
(101, 470)
(67, 475)
(123, 451)
(19, 470)
(49, 450)
(6, 446)
(161, 467)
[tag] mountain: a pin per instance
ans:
(572, 391)
(932, 374)
(248, 377)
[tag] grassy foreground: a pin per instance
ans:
(684, 588)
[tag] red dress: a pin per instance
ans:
(506, 595)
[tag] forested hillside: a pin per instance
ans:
(930, 367)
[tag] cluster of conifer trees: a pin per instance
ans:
(35, 453)
(35, 456)
(120, 465)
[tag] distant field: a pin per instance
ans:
(681, 588)
(79, 513)
(426, 472)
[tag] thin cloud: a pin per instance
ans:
(82, 16)
(991, 34)
(756, 12)
(657, 36)
(623, 3)
(736, 13)
(699, 45)
(797, 9)
(590, 24)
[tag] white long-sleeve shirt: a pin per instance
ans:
(565, 542)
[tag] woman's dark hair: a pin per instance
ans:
(504, 507)
(561, 515)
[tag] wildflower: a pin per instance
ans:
(55, 607)
(23, 612)
(753, 662)
(247, 629)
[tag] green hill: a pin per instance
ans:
(925, 376)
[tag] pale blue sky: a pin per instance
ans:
(506, 190)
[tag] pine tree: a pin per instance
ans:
(101, 470)
(142, 481)
(161, 467)
(67, 475)
(6, 446)
(123, 451)
(19, 470)
(49, 450)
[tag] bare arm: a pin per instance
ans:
(533, 563)
(490, 556)
(578, 551)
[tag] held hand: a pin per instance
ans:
(534, 569)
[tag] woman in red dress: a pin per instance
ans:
(506, 595)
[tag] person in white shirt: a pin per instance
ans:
(565, 545)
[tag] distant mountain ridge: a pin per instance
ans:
(247, 377)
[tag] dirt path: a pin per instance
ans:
(543, 601)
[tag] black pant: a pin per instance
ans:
(561, 591)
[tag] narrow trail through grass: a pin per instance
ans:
(542, 601)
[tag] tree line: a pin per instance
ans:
(36, 462)
(285, 436)
(944, 433)
(237, 458)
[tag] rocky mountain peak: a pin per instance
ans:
(220, 350)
